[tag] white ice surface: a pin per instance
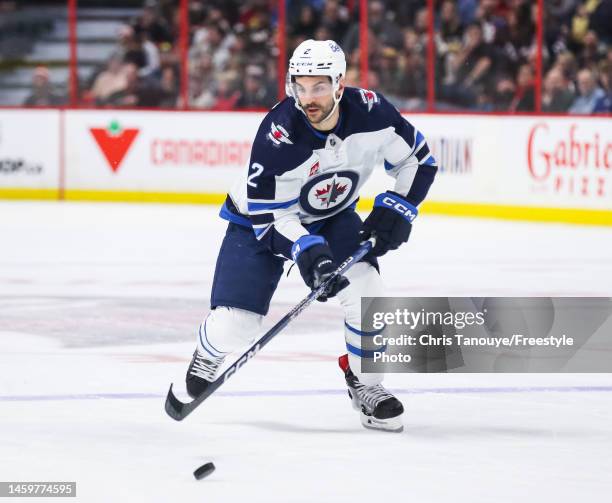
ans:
(98, 309)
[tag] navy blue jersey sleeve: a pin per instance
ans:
(407, 156)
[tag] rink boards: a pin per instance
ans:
(517, 167)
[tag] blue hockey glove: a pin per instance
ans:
(316, 263)
(390, 222)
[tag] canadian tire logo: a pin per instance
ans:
(114, 142)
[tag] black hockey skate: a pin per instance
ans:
(201, 372)
(379, 409)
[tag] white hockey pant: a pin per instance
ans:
(227, 328)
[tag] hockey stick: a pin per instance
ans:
(180, 410)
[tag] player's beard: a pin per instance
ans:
(321, 113)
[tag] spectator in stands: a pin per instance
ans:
(323, 32)
(389, 75)
(138, 92)
(604, 104)
(556, 95)
(588, 93)
(133, 49)
(414, 75)
(469, 69)
(43, 94)
(421, 24)
(490, 21)
(467, 10)
(561, 10)
(153, 26)
(130, 47)
(524, 97)
(255, 92)
(215, 40)
(384, 29)
(448, 39)
(335, 18)
(514, 40)
(403, 11)
(505, 91)
(580, 23)
(306, 24)
(202, 82)
(450, 29)
(153, 65)
(352, 77)
(111, 80)
(566, 62)
(592, 51)
(256, 20)
(226, 95)
(601, 20)
(169, 88)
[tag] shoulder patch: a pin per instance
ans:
(369, 98)
(278, 134)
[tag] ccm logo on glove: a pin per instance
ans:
(409, 211)
(390, 222)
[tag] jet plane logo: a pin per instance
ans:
(369, 98)
(278, 134)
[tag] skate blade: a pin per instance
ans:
(393, 424)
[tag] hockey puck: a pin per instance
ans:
(204, 470)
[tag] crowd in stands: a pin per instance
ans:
(143, 69)
(485, 53)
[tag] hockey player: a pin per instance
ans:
(296, 201)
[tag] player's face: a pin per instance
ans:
(316, 97)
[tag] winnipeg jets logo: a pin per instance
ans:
(327, 193)
(369, 98)
(278, 134)
(330, 193)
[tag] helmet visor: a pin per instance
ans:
(306, 90)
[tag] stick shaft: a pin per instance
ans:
(179, 410)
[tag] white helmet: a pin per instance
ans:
(316, 57)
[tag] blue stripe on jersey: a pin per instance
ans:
(226, 214)
(271, 206)
(430, 161)
(260, 231)
(419, 139)
(388, 165)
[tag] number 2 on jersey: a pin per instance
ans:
(256, 169)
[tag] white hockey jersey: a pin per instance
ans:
(299, 176)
